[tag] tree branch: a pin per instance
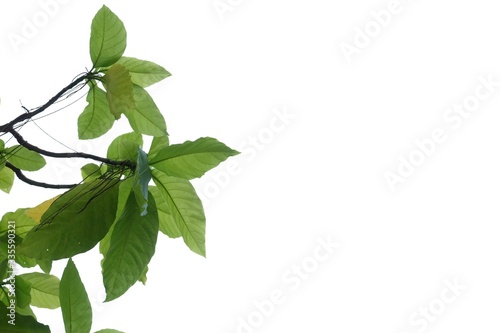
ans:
(25, 179)
(6, 128)
(26, 144)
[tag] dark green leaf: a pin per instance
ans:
(45, 265)
(124, 193)
(108, 38)
(24, 159)
(23, 292)
(44, 289)
(146, 118)
(75, 304)
(132, 246)
(185, 207)
(119, 90)
(91, 172)
(4, 270)
(17, 323)
(142, 177)
(75, 222)
(26, 311)
(96, 119)
(144, 73)
(191, 159)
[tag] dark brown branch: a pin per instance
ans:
(26, 144)
(10, 127)
(25, 179)
(6, 128)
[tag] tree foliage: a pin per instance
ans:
(122, 203)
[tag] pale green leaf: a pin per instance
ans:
(75, 304)
(167, 222)
(125, 147)
(44, 289)
(157, 145)
(132, 246)
(6, 179)
(143, 279)
(20, 220)
(108, 330)
(185, 207)
(191, 159)
(36, 213)
(144, 73)
(96, 119)
(146, 118)
(119, 90)
(108, 38)
(24, 158)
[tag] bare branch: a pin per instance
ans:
(25, 179)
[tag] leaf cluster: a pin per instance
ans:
(120, 208)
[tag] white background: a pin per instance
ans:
(320, 176)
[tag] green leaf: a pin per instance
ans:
(25, 261)
(6, 179)
(124, 193)
(10, 243)
(157, 145)
(4, 272)
(186, 209)
(75, 222)
(27, 311)
(119, 90)
(142, 177)
(108, 330)
(125, 147)
(75, 304)
(131, 248)
(20, 220)
(2, 145)
(108, 38)
(167, 222)
(23, 292)
(144, 277)
(18, 323)
(146, 118)
(91, 172)
(191, 159)
(144, 73)
(96, 119)
(44, 289)
(45, 265)
(24, 159)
